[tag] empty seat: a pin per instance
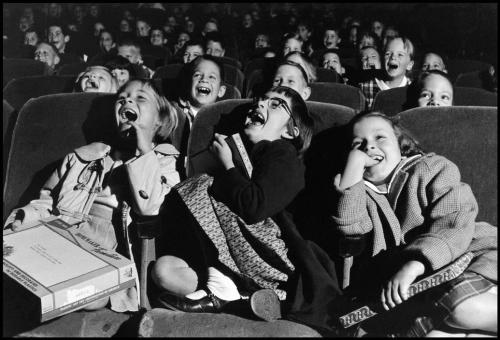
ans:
(18, 91)
(478, 79)
(72, 69)
(15, 68)
(396, 100)
(468, 136)
(46, 130)
(336, 93)
(227, 117)
(457, 66)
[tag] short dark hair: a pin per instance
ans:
(129, 42)
(408, 145)
(216, 37)
(62, 26)
(301, 116)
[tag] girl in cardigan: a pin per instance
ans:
(413, 205)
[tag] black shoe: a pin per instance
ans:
(207, 304)
(266, 305)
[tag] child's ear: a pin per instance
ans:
(409, 66)
(114, 45)
(66, 38)
(287, 135)
(222, 91)
(306, 93)
(56, 60)
(342, 69)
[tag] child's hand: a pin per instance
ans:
(354, 169)
(396, 289)
(16, 221)
(220, 148)
(144, 137)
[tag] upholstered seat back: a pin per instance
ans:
(468, 136)
(46, 130)
(19, 67)
(336, 93)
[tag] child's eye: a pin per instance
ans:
(424, 95)
(379, 137)
(445, 97)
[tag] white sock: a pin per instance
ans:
(220, 285)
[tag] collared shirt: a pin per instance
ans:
(383, 85)
(188, 110)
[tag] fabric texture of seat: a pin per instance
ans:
(48, 128)
(18, 91)
(468, 136)
(396, 100)
(457, 66)
(227, 117)
(170, 71)
(15, 68)
(336, 93)
(326, 75)
(72, 69)
(478, 79)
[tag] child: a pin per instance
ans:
(434, 88)
(279, 129)
(96, 79)
(215, 45)
(331, 61)
(47, 53)
(131, 50)
(419, 217)
(59, 37)
(200, 84)
(368, 39)
(123, 71)
(370, 58)
(193, 49)
(433, 61)
(398, 60)
(292, 43)
(331, 37)
(92, 183)
(293, 75)
(303, 60)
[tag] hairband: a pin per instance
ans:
(292, 63)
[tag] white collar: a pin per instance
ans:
(404, 160)
(383, 85)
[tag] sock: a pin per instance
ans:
(220, 285)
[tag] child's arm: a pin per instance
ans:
(277, 178)
(350, 214)
(395, 290)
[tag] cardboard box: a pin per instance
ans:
(62, 268)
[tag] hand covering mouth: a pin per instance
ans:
(254, 117)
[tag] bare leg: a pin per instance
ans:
(174, 275)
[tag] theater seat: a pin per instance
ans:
(468, 136)
(396, 100)
(336, 93)
(227, 117)
(8, 120)
(46, 130)
(16, 68)
(170, 89)
(326, 75)
(230, 61)
(18, 91)
(72, 69)
(457, 66)
(478, 79)
(170, 71)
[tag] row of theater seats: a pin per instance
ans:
(51, 126)
(465, 73)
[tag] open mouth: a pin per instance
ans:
(128, 114)
(377, 158)
(392, 67)
(202, 90)
(254, 117)
(91, 85)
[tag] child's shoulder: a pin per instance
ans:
(430, 163)
(92, 151)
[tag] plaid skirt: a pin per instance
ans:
(463, 287)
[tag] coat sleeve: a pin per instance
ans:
(277, 178)
(42, 207)
(350, 212)
(449, 211)
(151, 177)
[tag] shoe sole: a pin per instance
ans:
(266, 305)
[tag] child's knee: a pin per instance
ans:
(165, 267)
(467, 313)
